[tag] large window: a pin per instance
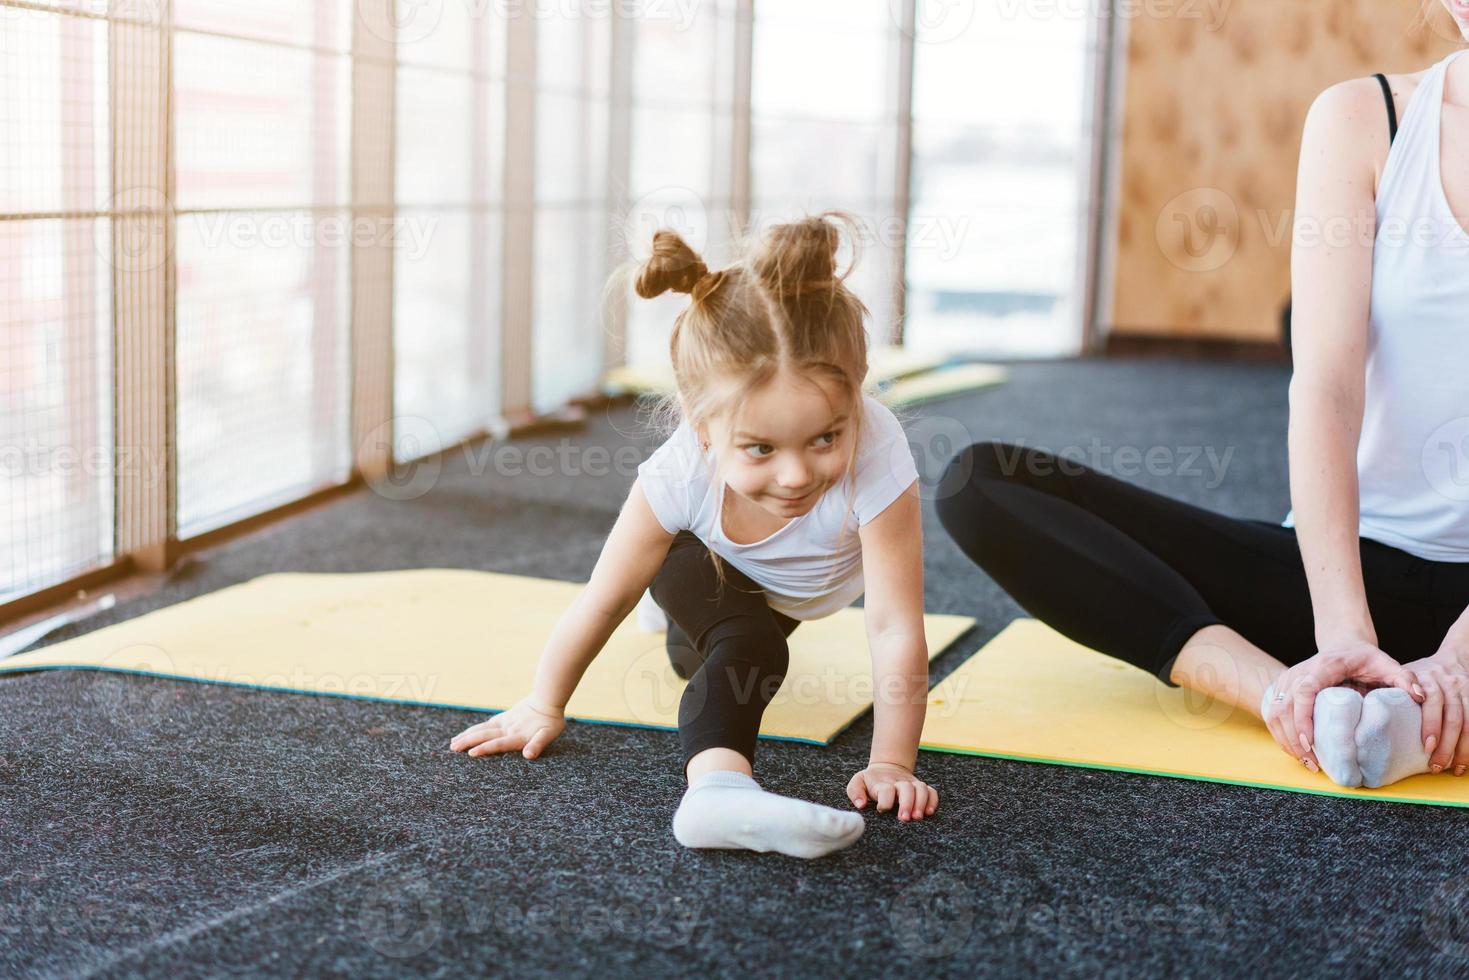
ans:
(824, 120)
(999, 158)
(450, 138)
(573, 78)
(56, 498)
(682, 162)
(193, 329)
(261, 118)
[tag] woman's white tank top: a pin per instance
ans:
(1413, 456)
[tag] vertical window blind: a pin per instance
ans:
(1000, 153)
(261, 98)
(449, 197)
(56, 498)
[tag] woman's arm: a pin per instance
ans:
(1331, 274)
(892, 568)
(1331, 282)
(1444, 677)
(631, 557)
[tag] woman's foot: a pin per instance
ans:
(1335, 718)
(727, 809)
(1338, 712)
(1390, 737)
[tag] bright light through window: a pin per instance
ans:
(999, 157)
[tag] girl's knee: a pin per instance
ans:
(746, 641)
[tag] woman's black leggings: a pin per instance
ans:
(1134, 574)
(727, 641)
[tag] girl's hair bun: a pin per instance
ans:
(800, 257)
(673, 265)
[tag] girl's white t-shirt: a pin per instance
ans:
(808, 568)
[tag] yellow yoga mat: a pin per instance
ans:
(455, 638)
(1032, 694)
(883, 364)
(919, 388)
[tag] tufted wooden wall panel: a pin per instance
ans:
(1216, 95)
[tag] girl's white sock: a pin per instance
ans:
(651, 617)
(1390, 737)
(728, 809)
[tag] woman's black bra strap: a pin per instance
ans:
(1392, 109)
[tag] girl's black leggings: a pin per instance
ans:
(727, 641)
(1134, 574)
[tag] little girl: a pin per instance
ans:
(782, 495)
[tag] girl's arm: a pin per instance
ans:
(892, 568)
(631, 557)
(1346, 132)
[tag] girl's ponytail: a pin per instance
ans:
(673, 265)
(798, 259)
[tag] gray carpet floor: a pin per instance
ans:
(160, 827)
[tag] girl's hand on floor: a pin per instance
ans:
(886, 782)
(1445, 682)
(1290, 718)
(523, 726)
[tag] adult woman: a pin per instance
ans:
(1366, 584)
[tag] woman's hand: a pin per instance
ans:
(1290, 715)
(525, 726)
(886, 781)
(1445, 682)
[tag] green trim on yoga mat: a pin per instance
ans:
(1340, 793)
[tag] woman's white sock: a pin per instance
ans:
(1338, 712)
(1335, 718)
(725, 808)
(1390, 737)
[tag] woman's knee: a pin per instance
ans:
(963, 483)
(995, 461)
